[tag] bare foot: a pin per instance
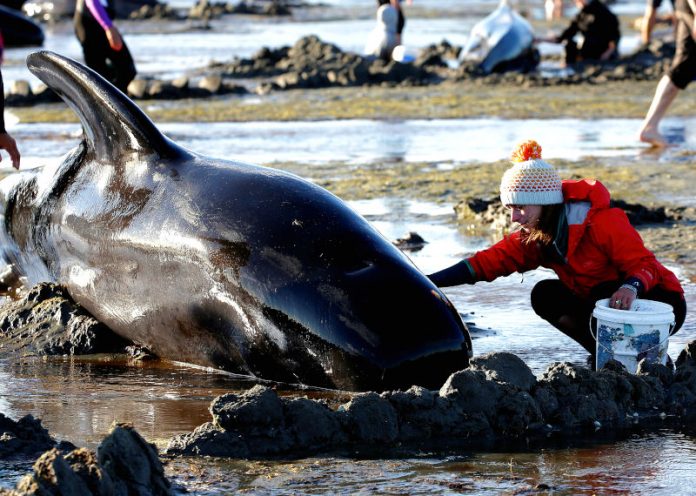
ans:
(653, 138)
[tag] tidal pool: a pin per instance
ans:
(383, 143)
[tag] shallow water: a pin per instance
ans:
(367, 143)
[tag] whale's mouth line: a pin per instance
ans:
(259, 380)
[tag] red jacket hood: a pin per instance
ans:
(589, 190)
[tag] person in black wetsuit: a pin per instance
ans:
(402, 20)
(600, 29)
(7, 142)
(102, 45)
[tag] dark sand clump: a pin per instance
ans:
(497, 400)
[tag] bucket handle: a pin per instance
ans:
(671, 328)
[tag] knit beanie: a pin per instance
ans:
(531, 181)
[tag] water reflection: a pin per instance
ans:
(372, 143)
(78, 400)
(642, 465)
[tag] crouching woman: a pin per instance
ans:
(569, 227)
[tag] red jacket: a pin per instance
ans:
(602, 246)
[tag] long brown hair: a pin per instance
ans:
(545, 230)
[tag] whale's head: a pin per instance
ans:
(231, 265)
(366, 314)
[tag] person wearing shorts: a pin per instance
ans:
(680, 73)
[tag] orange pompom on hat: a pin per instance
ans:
(531, 181)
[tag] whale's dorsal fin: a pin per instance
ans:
(114, 126)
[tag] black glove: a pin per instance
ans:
(460, 273)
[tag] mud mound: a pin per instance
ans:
(46, 321)
(123, 464)
(25, 437)
(312, 63)
(497, 399)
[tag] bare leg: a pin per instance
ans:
(553, 9)
(664, 96)
(646, 27)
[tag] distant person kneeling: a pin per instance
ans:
(600, 29)
(383, 38)
(102, 45)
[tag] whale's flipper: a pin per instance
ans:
(114, 125)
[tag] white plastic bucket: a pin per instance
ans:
(631, 335)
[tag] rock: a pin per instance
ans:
(24, 437)
(370, 418)
(131, 462)
(20, 87)
(663, 373)
(257, 411)
(472, 392)
(43, 94)
(181, 83)
(312, 424)
(506, 368)
(124, 464)
(47, 322)
(209, 440)
(137, 88)
(411, 242)
(211, 83)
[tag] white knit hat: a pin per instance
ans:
(531, 181)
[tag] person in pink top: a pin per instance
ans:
(102, 45)
(7, 142)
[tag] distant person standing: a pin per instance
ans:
(102, 45)
(678, 76)
(553, 9)
(599, 28)
(7, 142)
(402, 20)
(649, 19)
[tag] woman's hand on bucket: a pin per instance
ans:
(622, 299)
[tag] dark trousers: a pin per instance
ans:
(551, 300)
(591, 50)
(116, 67)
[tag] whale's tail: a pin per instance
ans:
(114, 126)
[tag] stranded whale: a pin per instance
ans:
(502, 41)
(219, 263)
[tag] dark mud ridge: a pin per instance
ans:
(496, 400)
(123, 464)
(311, 63)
